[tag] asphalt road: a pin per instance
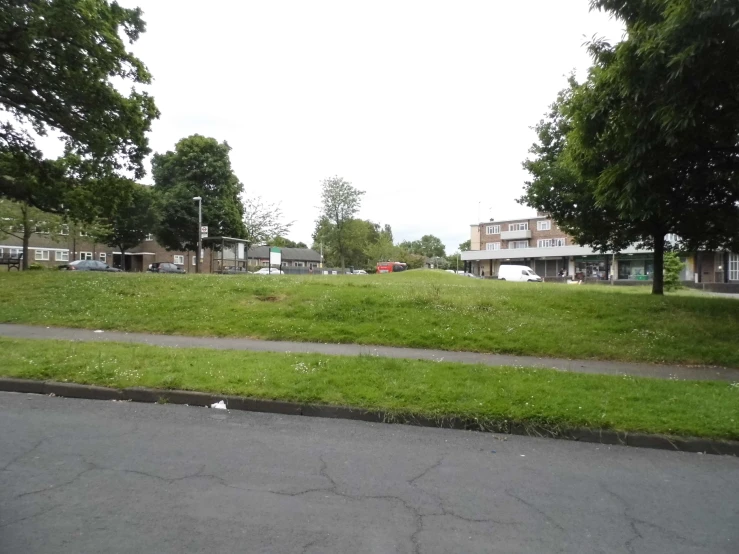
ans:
(604, 367)
(88, 476)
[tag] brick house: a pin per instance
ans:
(538, 243)
(52, 250)
(291, 257)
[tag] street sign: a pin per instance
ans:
(204, 231)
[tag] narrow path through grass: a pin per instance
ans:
(423, 309)
(688, 408)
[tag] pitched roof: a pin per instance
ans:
(288, 254)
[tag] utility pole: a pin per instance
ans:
(200, 232)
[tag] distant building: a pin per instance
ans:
(52, 250)
(538, 243)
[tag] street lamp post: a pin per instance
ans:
(200, 232)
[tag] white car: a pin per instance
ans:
(267, 271)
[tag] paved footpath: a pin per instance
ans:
(118, 477)
(254, 345)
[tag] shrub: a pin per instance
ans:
(35, 267)
(672, 268)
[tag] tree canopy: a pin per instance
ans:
(263, 221)
(198, 166)
(61, 63)
(649, 143)
(428, 246)
(340, 201)
(126, 222)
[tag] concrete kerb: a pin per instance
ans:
(598, 436)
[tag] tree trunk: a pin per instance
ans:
(26, 235)
(658, 279)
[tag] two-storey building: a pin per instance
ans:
(538, 243)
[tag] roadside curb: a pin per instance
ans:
(192, 398)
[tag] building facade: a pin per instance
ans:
(538, 243)
(52, 250)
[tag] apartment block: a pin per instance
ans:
(538, 243)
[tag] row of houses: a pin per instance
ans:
(53, 250)
(538, 243)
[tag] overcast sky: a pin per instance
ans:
(426, 105)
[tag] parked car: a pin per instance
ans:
(266, 271)
(517, 273)
(356, 272)
(89, 265)
(165, 267)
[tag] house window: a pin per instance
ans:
(518, 226)
(672, 238)
(15, 252)
(545, 225)
(516, 244)
(179, 259)
(83, 234)
(492, 246)
(85, 256)
(733, 267)
(550, 243)
(64, 230)
(61, 255)
(149, 237)
(103, 257)
(41, 228)
(194, 260)
(42, 255)
(298, 264)
(492, 230)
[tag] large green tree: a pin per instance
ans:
(61, 66)
(340, 201)
(429, 246)
(198, 166)
(127, 221)
(649, 144)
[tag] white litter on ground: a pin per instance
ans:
(221, 405)
(98, 331)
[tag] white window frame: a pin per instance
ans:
(15, 252)
(64, 230)
(492, 230)
(550, 243)
(103, 257)
(298, 264)
(61, 256)
(733, 267)
(518, 244)
(83, 233)
(178, 259)
(518, 226)
(544, 225)
(84, 255)
(41, 256)
(149, 237)
(492, 246)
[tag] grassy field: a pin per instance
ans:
(416, 309)
(688, 408)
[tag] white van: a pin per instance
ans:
(517, 273)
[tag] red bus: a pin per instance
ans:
(391, 267)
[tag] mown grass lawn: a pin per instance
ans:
(545, 397)
(416, 309)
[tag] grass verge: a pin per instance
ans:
(547, 397)
(423, 309)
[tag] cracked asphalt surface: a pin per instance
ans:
(91, 476)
